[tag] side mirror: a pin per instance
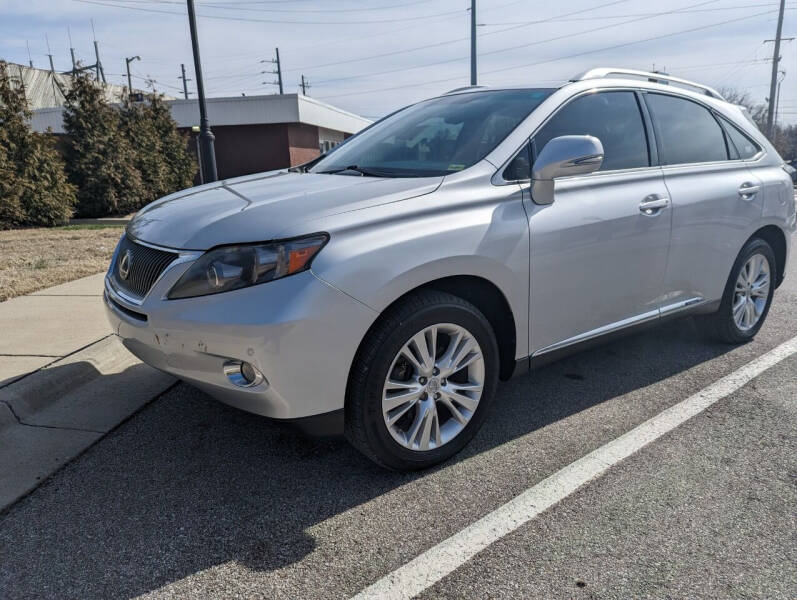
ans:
(563, 156)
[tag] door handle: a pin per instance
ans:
(748, 190)
(653, 204)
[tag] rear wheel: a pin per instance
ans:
(747, 297)
(422, 381)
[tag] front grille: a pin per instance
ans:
(144, 266)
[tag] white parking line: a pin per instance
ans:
(430, 567)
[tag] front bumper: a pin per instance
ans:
(300, 332)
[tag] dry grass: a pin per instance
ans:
(32, 259)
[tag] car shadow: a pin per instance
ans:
(189, 483)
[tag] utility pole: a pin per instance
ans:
(52, 69)
(71, 50)
(305, 86)
(49, 54)
(100, 70)
(185, 81)
(98, 63)
(777, 101)
(207, 153)
(473, 41)
(30, 60)
(127, 67)
(775, 61)
(279, 71)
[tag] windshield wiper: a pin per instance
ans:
(361, 170)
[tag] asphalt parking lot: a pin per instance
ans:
(192, 499)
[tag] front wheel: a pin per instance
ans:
(422, 381)
(747, 296)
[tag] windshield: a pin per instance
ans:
(435, 137)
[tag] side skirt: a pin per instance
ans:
(546, 358)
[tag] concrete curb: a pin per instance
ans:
(49, 417)
(102, 221)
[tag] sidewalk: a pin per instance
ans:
(65, 381)
(42, 327)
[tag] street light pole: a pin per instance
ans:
(206, 137)
(473, 42)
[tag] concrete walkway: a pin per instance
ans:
(45, 326)
(65, 381)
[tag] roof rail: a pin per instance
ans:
(464, 88)
(663, 78)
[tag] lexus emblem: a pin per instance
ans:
(124, 265)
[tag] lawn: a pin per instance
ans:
(33, 259)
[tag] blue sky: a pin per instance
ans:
(373, 56)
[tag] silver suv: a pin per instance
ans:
(383, 290)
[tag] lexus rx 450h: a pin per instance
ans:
(384, 290)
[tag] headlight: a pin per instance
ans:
(235, 267)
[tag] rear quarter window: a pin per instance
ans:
(741, 144)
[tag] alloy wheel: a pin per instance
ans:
(433, 387)
(751, 292)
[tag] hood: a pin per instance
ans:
(258, 208)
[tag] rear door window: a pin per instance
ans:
(612, 117)
(686, 131)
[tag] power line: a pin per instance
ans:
(254, 20)
(565, 57)
(447, 61)
(700, 10)
(231, 6)
(760, 61)
(535, 43)
(438, 44)
(234, 6)
(146, 78)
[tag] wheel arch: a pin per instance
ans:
(490, 300)
(774, 236)
(484, 295)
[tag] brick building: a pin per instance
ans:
(254, 133)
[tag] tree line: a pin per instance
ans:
(113, 160)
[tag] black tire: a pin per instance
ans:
(721, 325)
(365, 426)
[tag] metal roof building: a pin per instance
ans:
(45, 89)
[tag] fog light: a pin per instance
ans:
(243, 374)
(249, 372)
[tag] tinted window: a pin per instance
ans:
(520, 167)
(612, 117)
(741, 145)
(438, 136)
(686, 132)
